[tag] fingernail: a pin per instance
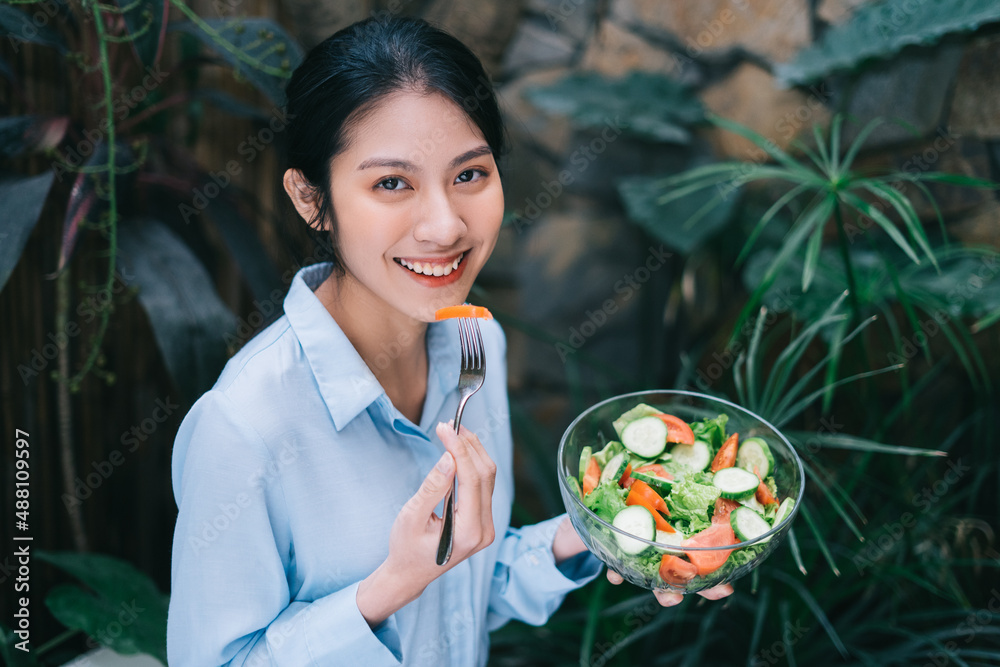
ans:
(444, 463)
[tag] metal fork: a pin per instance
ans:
(469, 381)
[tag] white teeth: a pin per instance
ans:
(429, 269)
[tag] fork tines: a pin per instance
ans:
(471, 338)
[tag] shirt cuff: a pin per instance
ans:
(336, 630)
(530, 586)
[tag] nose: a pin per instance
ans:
(439, 221)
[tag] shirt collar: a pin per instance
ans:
(345, 382)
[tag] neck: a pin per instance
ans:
(390, 343)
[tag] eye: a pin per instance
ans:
(390, 184)
(470, 175)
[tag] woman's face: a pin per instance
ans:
(417, 202)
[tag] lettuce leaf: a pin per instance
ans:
(712, 431)
(609, 451)
(648, 563)
(606, 500)
(692, 502)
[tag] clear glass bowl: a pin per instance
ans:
(593, 427)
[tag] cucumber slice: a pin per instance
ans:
(755, 452)
(646, 437)
(673, 539)
(747, 524)
(753, 504)
(661, 485)
(615, 468)
(635, 520)
(638, 412)
(735, 483)
(585, 455)
(695, 457)
(784, 509)
(574, 486)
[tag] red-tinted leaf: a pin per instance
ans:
(27, 134)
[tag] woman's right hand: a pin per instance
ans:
(416, 532)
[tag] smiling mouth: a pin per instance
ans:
(432, 268)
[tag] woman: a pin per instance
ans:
(307, 478)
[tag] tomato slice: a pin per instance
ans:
(643, 494)
(763, 494)
(656, 469)
(466, 310)
(677, 429)
(718, 535)
(675, 570)
(726, 457)
(723, 507)
(626, 478)
(591, 476)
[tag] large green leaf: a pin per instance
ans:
(648, 105)
(23, 198)
(123, 609)
(18, 26)
(258, 49)
(684, 223)
(966, 287)
(881, 30)
(189, 319)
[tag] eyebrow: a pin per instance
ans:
(394, 163)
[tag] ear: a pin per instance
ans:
(302, 196)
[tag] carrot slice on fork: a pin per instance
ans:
(465, 310)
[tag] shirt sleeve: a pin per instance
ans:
(230, 601)
(527, 584)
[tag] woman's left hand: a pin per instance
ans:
(669, 599)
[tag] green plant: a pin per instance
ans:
(134, 194)
(648, 106)
(931, 300)
(118, 606)
(880, 30)
(892, 577)
(123, 160)
(833, 191)
(900, 596)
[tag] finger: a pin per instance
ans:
(486, 467)
(717, 592)
(432, 489)
(667, 598)
(469, 501)
(460, 446)
(614, 577)
(476, 455)
(476, 445)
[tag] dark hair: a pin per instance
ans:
(343, 77)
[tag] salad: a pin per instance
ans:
(681, 485)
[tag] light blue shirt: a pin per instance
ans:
(288, 475)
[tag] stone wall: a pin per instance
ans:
(563, 268)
